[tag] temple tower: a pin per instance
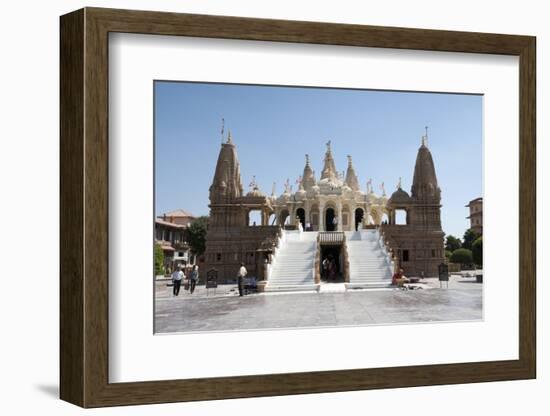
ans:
(419, 242)
(232, 237)
(329, 168)
(226, 185)
(425, 192)
(351, 176)
(308, 177)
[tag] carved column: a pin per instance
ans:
(339, 226)
(351, 219)
(307, 212)
(321, 215)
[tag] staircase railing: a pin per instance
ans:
(332, 237)
(317, 262)
(391, 259)
(278, 242)
(346, 260)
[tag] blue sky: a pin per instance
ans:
(274, 127)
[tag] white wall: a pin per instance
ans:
(29, 189)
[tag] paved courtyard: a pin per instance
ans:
(224, 310)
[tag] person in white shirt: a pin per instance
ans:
(240, 278)
(177, 278)
(193, 278)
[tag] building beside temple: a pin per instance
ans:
(475, 207)
(332, 209)
(171, 235)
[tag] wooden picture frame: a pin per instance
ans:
(84, 207)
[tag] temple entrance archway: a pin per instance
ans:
(330, 220)
(284, 217)
(359, 215)
(301, 214)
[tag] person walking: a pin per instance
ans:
(177, 277)
(240, 278)
(193, 278)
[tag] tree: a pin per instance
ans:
(159, 260)
(448, 254)
(452, 243)
(461, 256)
(477, 251)
(197, 235)
(469, 237)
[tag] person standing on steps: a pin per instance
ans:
(240, 278)
(193, 278)
(177, 278)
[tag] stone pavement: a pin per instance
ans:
(226, 311)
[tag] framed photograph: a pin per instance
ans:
(254, 207)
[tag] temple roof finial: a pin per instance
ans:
(369, 186)
(328, 147)
(229, 140)
(349, 160)
(399, 183)
(425, 137)
(307, 159)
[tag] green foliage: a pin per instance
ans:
(461, 256)
(469, 238)
(197, 235)
(159, 260)
(452, 243)
(448, 254)
(477, 251)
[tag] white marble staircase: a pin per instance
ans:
(293, 264)
(370, 264)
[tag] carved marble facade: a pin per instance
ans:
(335, 202)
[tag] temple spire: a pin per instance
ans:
(351, 177)
(425, 180)
(226, 184)
(308, 177)
(329, 168)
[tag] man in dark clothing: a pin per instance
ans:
(240, 278)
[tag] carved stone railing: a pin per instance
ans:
(346, 260)
(317, 262)
(386, 247)
(332, 237)
(269, 265)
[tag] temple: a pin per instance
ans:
(325, 218)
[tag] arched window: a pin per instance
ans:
(400, 216)
(254, 217)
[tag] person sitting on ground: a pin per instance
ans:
(399, 279)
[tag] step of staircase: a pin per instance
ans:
(368, 262)
(292, 267)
